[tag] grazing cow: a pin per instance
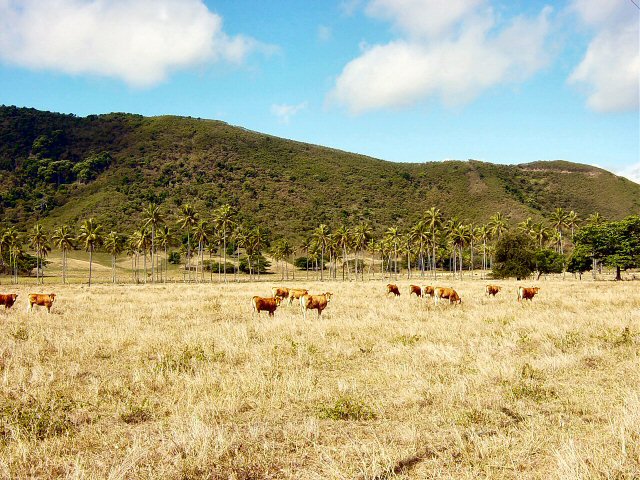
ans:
(268, 304)
(281, 292)
(296, 293)
(8, 299)
(415, 289)
(492, 290)
(527, 293)
(428, 290)
(447, 293)
(314, 302)
(43, 300)
(391, 288)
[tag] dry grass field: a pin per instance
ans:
(180, 382)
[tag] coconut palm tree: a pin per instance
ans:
(165, 238)
(498, 224)
(240, 237)
(559, 223)
(90, 235)
(539, 232)
(433, 219)
(305, 246)
(187, 220)
(595, 219)
(152, 217)
(143, 238)
(287, 251)
(483, 233)
(372, 248)
(361, 234)
(393, 235)
(573, 220)
(38, 242)
(322, 237)
(201, 234)
(63, 239)
(224, 222)
(342, 237)
(420, 232)
(114, 245)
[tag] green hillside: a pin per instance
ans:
(63, 168)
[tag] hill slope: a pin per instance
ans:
(63, 168)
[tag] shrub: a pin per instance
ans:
(347, 408)
(514, 256)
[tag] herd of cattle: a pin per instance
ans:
(319, 302)
(300, 295)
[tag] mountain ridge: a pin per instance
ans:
(288, 185)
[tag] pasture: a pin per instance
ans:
(182, 382)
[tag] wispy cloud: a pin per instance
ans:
(324, 33)
(453, 51)
(632, 173)
(137, 41)
(285, 112)
(610, 68)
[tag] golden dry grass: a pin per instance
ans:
(180, 382)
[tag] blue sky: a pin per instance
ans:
(401, 80)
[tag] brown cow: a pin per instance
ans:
(447, 293)
(281, 292)
(527, 293)
(492, 290)
(391, 288)
(268, 304)
(42, 300)
(314, 302)
(428, 290)
(415, 289)
(296, 293)
(8, 299)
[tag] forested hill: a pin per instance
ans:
(63, 168)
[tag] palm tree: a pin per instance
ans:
(187, 220)
(393, 236)
(241, 238)
(63, 239)
(259, 241)
(573, 219)
(343, 239)
(224, 222)
(165, 239)
(361, 234)
(595, 219)
(114, 244)
(433, 219)
(201, 235)
(152, 217)
(38, 241)
(90, 236)
(306, 245)
(498, 225)
(559, 222)
(539, 232)
(372, 248)
(322, 237)
(420, 232)
(483, 233)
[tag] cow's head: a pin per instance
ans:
(52, 296)
(14, 296)
(328, 295)
(536, 289)
(278, 300)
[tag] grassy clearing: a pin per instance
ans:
(179, 381)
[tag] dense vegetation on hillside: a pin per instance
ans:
(61, 169)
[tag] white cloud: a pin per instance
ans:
(138, 41)
(284, 112)
(632, 173)
(423, 17)
(469, 55)
(610, 69)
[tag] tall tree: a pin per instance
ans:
(393, 235)
(114, 245)
(188, 219)
(433, 219)
(165, 239)
(322, 237)
(559, 223)
(90, 235)
(153, 218)
(63, 239)
(38, 242)
(224, 222)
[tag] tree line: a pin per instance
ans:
(435, 244)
